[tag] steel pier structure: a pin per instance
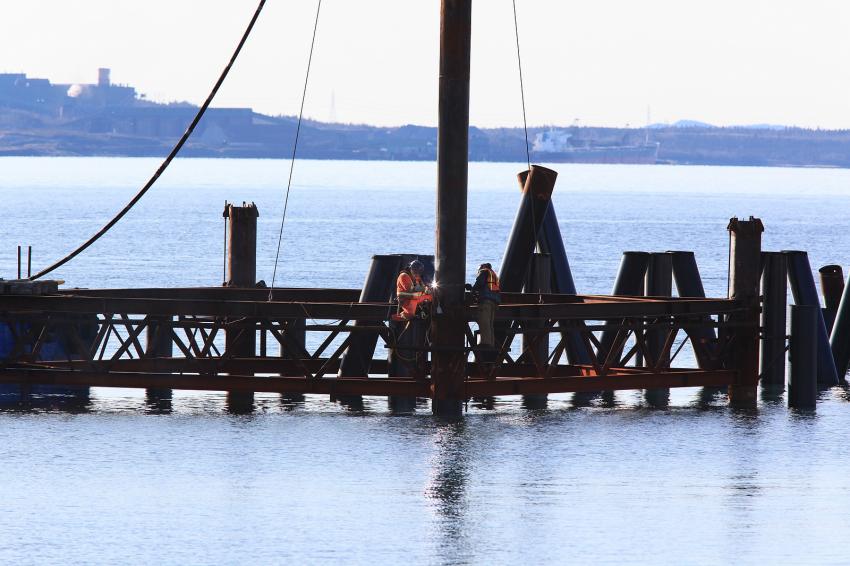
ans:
(106, 333)
(242, 339)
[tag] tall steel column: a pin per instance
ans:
(744, 279)
(449, 359)
(241, 339)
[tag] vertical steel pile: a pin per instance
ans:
(449, 322)
(803, 357)
(159, 344)
(658, 283)
(241, 338)
(840, 338)
(743, 333)
(536, 345)
(774, 288)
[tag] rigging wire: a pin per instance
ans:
(174, 151)
(295, 146)
(521, 88)
(525, 128)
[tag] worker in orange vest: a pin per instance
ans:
(411, 290)
(486, 294)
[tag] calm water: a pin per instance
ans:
(315, 482)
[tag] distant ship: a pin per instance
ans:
(565, 146)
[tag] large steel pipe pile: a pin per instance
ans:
(689, 284)
(744, 278)
(629, 283)
(832, 286)
(840, 338)
(379, 287)
(536, 193)
(241, 338)
(774, 288)
(803, 357)
(658, 283)
(539, 182)
(159, 345)
(550, 241)
(535, 345)
(449, 323)
(805, 293)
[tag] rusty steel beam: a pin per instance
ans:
(369, 386)
(588, 310)
(239, 383)
(538, 386)
(318, 295)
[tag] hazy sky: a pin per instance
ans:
(603, 62)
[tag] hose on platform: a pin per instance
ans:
(174, 151)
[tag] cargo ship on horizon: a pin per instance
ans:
(565, 146)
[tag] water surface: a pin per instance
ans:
(115, 481)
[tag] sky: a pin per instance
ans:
(600, 62)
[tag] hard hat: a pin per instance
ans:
(417, 266)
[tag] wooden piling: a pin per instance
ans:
(743, 333)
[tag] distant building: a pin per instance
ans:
(21, 92)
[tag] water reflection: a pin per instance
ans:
(351, 403)
(240, 403)
(291, 401)
(158, 402)
(772, 394)
(47, 403)
(446, 489)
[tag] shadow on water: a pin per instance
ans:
(446, 489)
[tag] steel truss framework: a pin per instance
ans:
(115, 338)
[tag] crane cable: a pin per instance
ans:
(521, 88)
(174, 151)
(295, 147)
(525, 127)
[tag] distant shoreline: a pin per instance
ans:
(42, 119)
(379, 160)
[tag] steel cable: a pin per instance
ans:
(174, 151)
(295, 147)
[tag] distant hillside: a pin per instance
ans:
(38, 117)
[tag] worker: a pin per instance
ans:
(411, 290)
(486, 294)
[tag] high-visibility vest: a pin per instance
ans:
(408, 286)
(492, 280)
